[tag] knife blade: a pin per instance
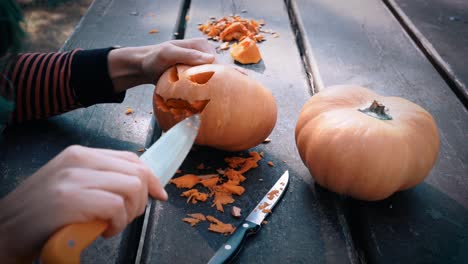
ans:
(252, 223)
(164, 157)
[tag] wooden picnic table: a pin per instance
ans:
(373, 43)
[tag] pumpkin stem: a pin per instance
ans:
(376, 110)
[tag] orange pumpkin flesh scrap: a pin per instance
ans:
(210, 182)
(273, 194)
(246, 51)
(191, 221)
(194, 219)
(186, 181)
(235, 189)
(234, 162)
(246, 163)
(219, 227)
(199, 216)
(234, 175)
(222, 197)
(251, 162)
(194, 195)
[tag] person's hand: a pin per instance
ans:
(79, 185)
(132, 66)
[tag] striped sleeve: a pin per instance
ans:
(48, 84)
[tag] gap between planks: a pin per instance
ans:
(153, 134)
(423, 44)
(314, 80)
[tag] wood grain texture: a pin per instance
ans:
(24, 149)
(442, 29)
(360, 42)
(307, 224)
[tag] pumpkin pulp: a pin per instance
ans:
(376, 110)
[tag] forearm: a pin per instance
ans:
(47, 84)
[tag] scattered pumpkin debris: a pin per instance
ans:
(219, 227)
(198, 216)
(221, 198)
(263, 205)
(222, 186)
(191, 221)
(230, 28)
(270, 163)
(264, 222)
(141, 150)
(186, 181)
(273, 194)
(129, 111)
(236, 211)
(153, 31)
(193, 195)
(194, 219)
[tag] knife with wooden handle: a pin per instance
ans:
(164, 158)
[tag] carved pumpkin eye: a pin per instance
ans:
(201, 78)
(173, 75)
(237, 112)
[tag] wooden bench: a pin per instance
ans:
(321, 43)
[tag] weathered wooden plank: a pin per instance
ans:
(307, 224)
(361, 42)
(26, 148)
(441, 29)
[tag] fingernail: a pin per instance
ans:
(207, 57)
(165, 196)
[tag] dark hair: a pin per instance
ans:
(11, 31)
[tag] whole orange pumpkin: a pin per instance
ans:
(368, 146)
(237, 112)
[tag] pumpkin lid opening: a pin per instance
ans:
(201, 78)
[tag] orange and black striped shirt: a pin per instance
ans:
(47, 84)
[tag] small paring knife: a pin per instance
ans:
(164, 158)
(251, 225)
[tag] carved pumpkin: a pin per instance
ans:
(368, 146)
(237, 112)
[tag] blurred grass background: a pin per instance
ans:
(49, 23)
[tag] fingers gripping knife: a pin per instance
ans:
(164, 158)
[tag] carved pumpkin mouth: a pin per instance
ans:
(180, 108)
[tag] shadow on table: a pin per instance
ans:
(420, 225)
